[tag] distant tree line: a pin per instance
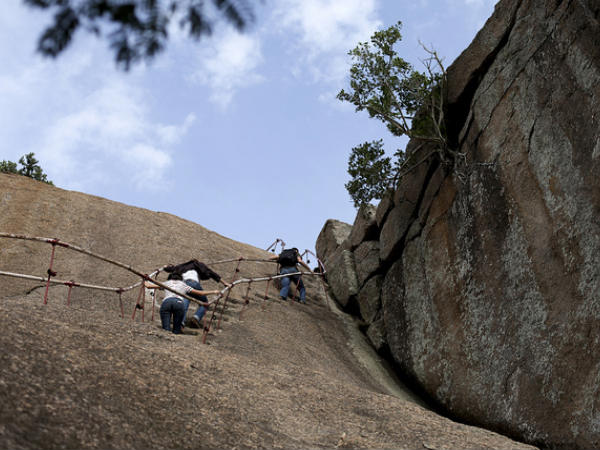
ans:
(29, 168)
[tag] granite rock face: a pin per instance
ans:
(364, 227)
(367, 260)
(369, 299)
(490, 298)
(332, 235)
(341, 276)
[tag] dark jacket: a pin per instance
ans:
(203, 271)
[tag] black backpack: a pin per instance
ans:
(288, 257)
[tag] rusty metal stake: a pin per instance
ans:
(137, 303)
(50, 273)
(246, 300)
(266, 294)
(235, 272)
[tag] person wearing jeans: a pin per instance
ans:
(286, 281)
(287, 260)
(192, 272)
(199, 314)
(172, 306)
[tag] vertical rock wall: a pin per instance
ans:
(486, 286)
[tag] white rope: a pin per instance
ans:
(137, 272)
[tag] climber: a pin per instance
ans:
(287, 260)
(192, 272)
(173, 304)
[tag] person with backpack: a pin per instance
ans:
(192, 272)
(287, 260)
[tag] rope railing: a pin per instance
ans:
(241, 258)
(273, 246)
(224, 293)
(55, 242)
(66, 283)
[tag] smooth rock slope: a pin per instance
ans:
(278, 375)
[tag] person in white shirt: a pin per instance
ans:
(172, 306)
(192, 272)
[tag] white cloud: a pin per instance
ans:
(111, 132)
(88, 124)
(150, 163)
(228, 65)
(172, 134)
(325, 31)
(328, 25)
(316, 36)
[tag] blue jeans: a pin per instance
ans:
(285, 283)
(171, 306)
(199, 314)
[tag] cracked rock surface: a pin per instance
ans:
(491, 269)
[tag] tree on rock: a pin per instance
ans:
(136, 29)
(30, 168)
(409, 102)
(8, 167)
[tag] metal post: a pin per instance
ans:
(50, 273)
(246, 299)
(212, 318)
(235, 272)
(153, 293)
(266, 294)
(69, 294)
(121, 303)
(137, 303)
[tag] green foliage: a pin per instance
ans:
(8, 167)
(409, 102)
(137, 29)
(383, 83)
(30, 168)
(372, 172)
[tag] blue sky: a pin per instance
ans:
(241, 133)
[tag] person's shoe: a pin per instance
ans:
(283, 298)
(195, 322)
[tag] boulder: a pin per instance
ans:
(490, 299)
(396, 225)
(466, 73)
(422, 157)
(493, 306)
(384, 207)
(376, 334)
(332, 235)
(406, 200)
(369, 298)
(365, 226)
(394, 315)
(366, 258)
(341, 276)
